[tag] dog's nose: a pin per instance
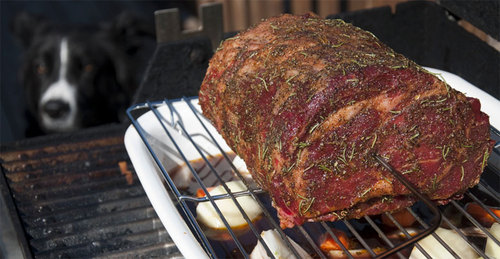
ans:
(56, 109)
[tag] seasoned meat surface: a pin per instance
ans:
(306, 102)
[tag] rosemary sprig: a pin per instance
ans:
(309, 167)
(278, 145)
(387, 199)
(342, 158)
(374, 140)
(485, 159)
(395, 112)
(400, 66)
(325, 168)
(387, 179)
(408, 171)
(303, 144)
(292, 77)
(415, 135)
(288, 169)
(446, 109)
(444, 151)
(314, 127)
(305, 202)
(337, 45)
(264, 82)
(352, 152)
(365, 192)
(268, 176)
(352, 80)
(434, 183)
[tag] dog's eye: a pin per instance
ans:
(41, 69)
(88, 68)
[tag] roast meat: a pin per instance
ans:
(306, 102)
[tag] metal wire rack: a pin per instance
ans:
(370, 235)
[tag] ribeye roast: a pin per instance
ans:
(306, 102)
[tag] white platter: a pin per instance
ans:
(150, 175)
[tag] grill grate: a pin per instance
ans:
(363, 231)
(74, 200)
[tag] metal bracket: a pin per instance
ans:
(168, 27)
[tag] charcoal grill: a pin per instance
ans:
(424, 31)
(74, 201)
(184, 116)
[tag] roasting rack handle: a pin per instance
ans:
(436, 221)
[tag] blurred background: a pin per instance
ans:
(238, 15)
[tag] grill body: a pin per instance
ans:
(58, 188)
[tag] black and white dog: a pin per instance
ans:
(76, 77)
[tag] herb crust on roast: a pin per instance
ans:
(306, 102)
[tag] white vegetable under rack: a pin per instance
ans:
(185, 135)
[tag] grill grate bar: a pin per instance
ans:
(337, 240)
(312, 243)
(462, 235)
(178, 124)
(110, 244)
(219, 196)
(485, 208)
(382, 234)
(60, 161)
(85, 200)
(101, 221)
(31, 172)
(85, 212)
(436, 220)
(116, 230)
(360, 239)
(159, 250)
(475, 222)
(405, 232)
(51, 151)
(54, 190)
(441, 241)
(489, 190)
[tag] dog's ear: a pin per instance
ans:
(132, 35)
(130, 30)
(25, 26)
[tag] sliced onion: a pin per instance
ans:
(436, 250)
(492, 249)
(242, 167)
(277, 247)
(208, 216)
